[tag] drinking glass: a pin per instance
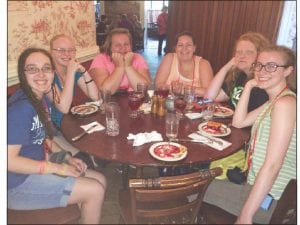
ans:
(135, 100)
(172, 124)
(180, 105)
(176, 88)
(112, 115)
(163, 91)
(189, 96)
(208, 113)
(143, 88)
(105, 95)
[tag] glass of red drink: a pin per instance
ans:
(135, 100)
(163, 91)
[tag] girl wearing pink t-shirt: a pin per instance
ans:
(118, 68)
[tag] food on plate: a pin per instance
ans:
(221, 111)
(215, 127)
(169, 150)
(84, 109)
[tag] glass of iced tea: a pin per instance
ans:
(180, 104)
(135, 100)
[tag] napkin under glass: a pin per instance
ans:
(142, 138)
(98, 127)
(213, 144)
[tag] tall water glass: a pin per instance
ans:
(189, 96)
(112, 117)
(172, 124)
(176, 88)
(105, 95)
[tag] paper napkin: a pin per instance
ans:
(213, 144)
(97, 103)
(193, 116)
(98, 127)
(146, 108)
(142, 138)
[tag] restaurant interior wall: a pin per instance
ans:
(217, 24)
(34, 23)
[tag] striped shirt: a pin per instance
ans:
(288, 169)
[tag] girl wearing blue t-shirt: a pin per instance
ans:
(34, 181)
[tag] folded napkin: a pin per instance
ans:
(98, 127)
(142, 138)
(146, 108)
(97, 103)
(193, 116)
(213, 144)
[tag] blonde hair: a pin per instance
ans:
(106, 48)
(60, 36)
(259, 41)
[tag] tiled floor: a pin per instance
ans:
(110, 210)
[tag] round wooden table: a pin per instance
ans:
(119, 149)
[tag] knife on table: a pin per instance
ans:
(211, 139)
(83, 133)
(186, 140)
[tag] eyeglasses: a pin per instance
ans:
(34, 70)
(269, 67)
(64, 51)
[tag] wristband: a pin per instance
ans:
(41, 166)
(91, 80)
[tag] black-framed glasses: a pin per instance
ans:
(34, 69)
(269, 67)
(64, 51)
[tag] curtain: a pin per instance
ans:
(217, 24)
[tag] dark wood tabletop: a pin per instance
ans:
(119, 149)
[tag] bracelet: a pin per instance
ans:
(41, 166)
(67, 157)
(91, 80)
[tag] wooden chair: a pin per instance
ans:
(164, 200)
(64, 215)
(284, 213)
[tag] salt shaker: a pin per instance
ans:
(154, 104)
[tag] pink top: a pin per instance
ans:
(103, 61)
(174, 74)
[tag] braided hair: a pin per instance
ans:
(37, 103)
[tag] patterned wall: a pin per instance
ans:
(34, 23)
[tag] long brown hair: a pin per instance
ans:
(259, 41)
(37, 103)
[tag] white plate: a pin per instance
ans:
(225, 130)
(221, 111)
(84, 110)
(164, 149)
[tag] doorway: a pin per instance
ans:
(151, 11)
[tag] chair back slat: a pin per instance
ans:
(169, 198)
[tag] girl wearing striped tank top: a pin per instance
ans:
(271, 158)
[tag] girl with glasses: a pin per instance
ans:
(271, 157)
(35, 181)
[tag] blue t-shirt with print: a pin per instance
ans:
(24, 128)
(56, 115)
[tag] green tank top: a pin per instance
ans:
(288, 170)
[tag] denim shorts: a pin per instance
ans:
(41, 192)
